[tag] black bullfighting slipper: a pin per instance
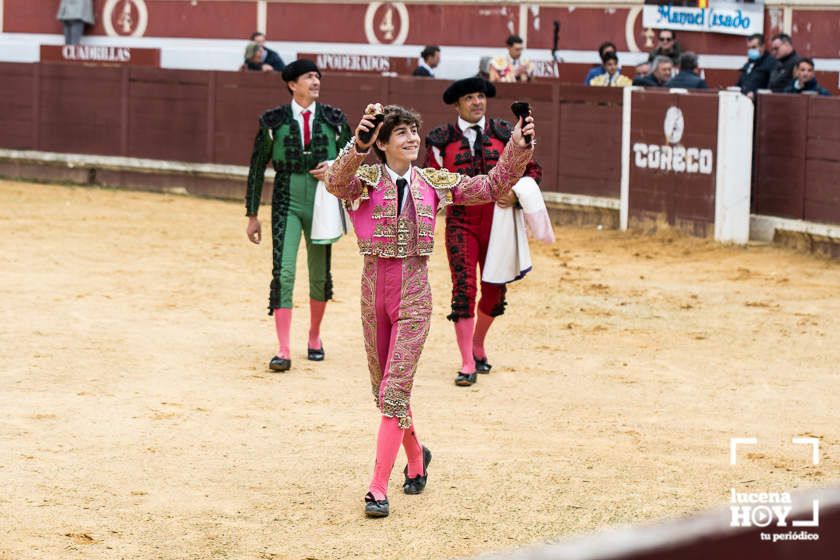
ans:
(374, 507)
(418, 483)
(481, 366)
(465, 379)
(316, 355)
(279, 364)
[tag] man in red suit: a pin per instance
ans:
(472, 146)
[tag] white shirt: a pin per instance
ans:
(469, 131)
(394, 176)
(469, 134)
(297, 112)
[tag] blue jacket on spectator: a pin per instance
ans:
(687, 79)
(593, 72)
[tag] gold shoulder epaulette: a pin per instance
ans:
(369, 174)
(440, 178)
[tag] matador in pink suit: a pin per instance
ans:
(393, 206)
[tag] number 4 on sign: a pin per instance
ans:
(387, 25)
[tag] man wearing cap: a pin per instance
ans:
(472, 146)
(299, 138)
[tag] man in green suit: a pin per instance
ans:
(300, 139)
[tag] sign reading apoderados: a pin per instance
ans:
(734, 17)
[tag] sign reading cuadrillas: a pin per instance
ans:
(734, 17)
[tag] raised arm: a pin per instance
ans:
(510, 167)
(341, 179)
(489, 188)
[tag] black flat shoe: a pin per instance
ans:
(316, 355)
(465, 379)
(374, 507)
(279, 364)
(417, 484)
(481, 366)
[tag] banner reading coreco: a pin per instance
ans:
(735, 17)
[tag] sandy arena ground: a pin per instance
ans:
(138, 419)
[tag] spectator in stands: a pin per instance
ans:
(612, 77)
(689, 74)
(755, 74)
(660, 73)
(600, 69)
(642, 70)
(75, 14)
(254, 54)
(512, 67)
(667, 46)
(430, 58)
(781, 47)
(268, 56)
(805, 81)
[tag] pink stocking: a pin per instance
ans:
(413, 450)
(283, 324)
(482, 325)
(464, 335)
(387, 446)
(316, 314)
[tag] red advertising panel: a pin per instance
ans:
(100, 54)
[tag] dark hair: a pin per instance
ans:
(604, 46)
(610, 56)
(783, 37)
(256, 34)
(394, 116)
(759, 36)
(513, 40)
(807, 59)
(429, 51)
(688, 61)
(671, 31)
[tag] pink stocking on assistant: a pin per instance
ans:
(464, 335)
(413, 450)
(283, 324)
(482, 325)
(316, 314)
(387, 446)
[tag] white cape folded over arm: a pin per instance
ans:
(329, 218)
(508, 255)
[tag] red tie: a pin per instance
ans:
(306, 135)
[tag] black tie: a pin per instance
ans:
(478, 140)
(401, 185)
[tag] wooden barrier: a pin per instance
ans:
(211, 117)
(797, 158)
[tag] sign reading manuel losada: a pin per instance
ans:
(734, 17)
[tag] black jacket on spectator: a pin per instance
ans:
(809, 86)
(755, 74)
(422, 72)
(647, 81)
(674, 56)
(271, 58)
(687, 79)
(782, 75)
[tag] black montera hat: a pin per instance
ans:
(468, 85)
(298, 68)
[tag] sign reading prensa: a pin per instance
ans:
(100, 54)
(734, 17)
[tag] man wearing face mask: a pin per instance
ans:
(755, 74)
